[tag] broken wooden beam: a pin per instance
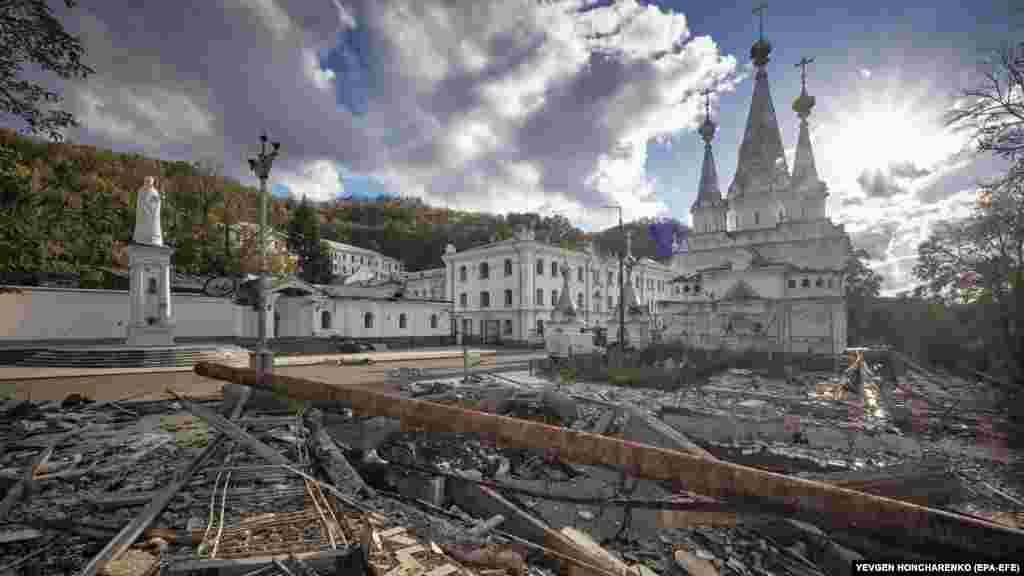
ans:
(332, 460)
(814, 501)
(646, 429)
(928, 485)
(138, 525)
(483, 501)
(23, 487)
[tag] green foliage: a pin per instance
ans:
(304, 241)
(32, 37)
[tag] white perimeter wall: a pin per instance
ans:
(63, 313)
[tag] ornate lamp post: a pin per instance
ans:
(263, 360)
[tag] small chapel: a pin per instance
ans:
(763, 266)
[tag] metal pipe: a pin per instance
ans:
(945, 532)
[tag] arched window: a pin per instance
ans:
(433, 321)
(462, 274)
(325, 320)
(402, 321)
(508, 267)
(368, 320)
(485, 270)
(540, 267)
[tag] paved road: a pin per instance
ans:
(152, 385)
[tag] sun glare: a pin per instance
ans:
(875, 131)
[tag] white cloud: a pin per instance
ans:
(344, 16)
(318, 180)
(504, 106)
(320, 77)
(275, 18)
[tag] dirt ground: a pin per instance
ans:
(141, 384)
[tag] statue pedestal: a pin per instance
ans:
(152, 316)
(156, 335)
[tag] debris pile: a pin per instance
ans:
(333, 481)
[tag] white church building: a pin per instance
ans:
(764, 264)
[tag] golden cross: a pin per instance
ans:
(759, 10)
(802, 64)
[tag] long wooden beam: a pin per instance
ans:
(814, 501)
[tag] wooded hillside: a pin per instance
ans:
(69, 208)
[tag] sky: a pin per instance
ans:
(560, 107)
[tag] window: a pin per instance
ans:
(554, 297)
(508, 298)
(696, 289)
(540, 267)
(595, 276)
(151, 286)
(579, 273)
(540, 327)
(508, 267)
(368, 320)
(792, 282)
(507, 327)
(730, 220)
(538, 298)
(610, 302)
(325, 320)
(829, 282)
(806, 283)
(463, 300)
(462, 274)
(433, 321)
(757, 218)
(402, 321)
(485, 299)
(819, 282)
(579, 300)
(554, 269)
(611, 278)
(485, 270)
(686, 288)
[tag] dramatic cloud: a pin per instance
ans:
(894, 170)
(517, 105)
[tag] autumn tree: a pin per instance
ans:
(304, 241)
(862, 287)
(31, 36)
(979, 260)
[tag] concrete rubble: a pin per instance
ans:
(257, 483)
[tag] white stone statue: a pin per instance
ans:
(147, 215)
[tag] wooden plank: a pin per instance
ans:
(137, 526)
(950, 533)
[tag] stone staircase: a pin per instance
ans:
(138, 357)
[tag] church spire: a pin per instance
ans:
(804, 170)
(708, 193)
(762, 161)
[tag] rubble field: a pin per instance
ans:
(251, 482)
